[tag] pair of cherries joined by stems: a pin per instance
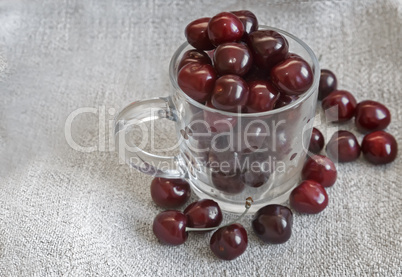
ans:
(272, 223)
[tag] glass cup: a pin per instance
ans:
(226, 156)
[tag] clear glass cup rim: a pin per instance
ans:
(306, 95)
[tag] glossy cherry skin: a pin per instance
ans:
(230, 183)
(230, 93)
(196, 33)
(379, 147)
(339, 106)
(194, 56)
(170, 193)
(273, 224)
(284, 100)
(328, 83)
(316, 141)
(248, 19)
(170, 227)
(262, 96)
(225, 27)
(232, 58)
(292, 76)
(309, 197)
(203, 213)
(197, 80)
(218, 122)
(255, 177)
(343, 147)
(268, 47)
(320, 169)
(371, 116)
(229, 242)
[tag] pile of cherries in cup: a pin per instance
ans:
(241, 56)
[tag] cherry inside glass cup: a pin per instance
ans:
(227, 156)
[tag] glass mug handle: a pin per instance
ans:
(136, 114)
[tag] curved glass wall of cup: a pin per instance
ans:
(229, 157)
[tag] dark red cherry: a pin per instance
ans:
(230, 93)
(225, 27)
(320, 169)
(292, 76)
(197, 80)
(170, 227)
(204, 213)
(339, 106)
(379, 147)
(255, 168)
(232, 58)
(343, 147)
(218, 122)
(309, 197)
(249, 134)
(294, 56)
(328, 83)
(316, 141)
(248, 19)
(170, 193)
(196, 33)
(194, 56)
(268, 48)
(284, 100)
(371, 116)
(230, 183)
(224, 161)
(273, 224)
(229, 242)
(262, 96)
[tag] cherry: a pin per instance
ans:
(170, 227)
(320, 169)
(273, 224)
(339, 106)
(230, 183)
(232, 58)
(316, 141)
(262, 96)
(229, 242)
(249, 135)
(343, 147)
(292, 76)
(309, 197)
(170, 193)
(197, 80)
(230, 93)
(284, 100)
(254, 167)
(225, 27)
(194, 55)
(204, 213)
(248, 19)
(379, 147)
(196, 33)
(218, 122)
(371, 116)
(328, 83)
(225, 161)
(268, 48)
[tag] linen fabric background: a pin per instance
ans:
(66, 212)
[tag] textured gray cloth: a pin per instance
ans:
(73, 213)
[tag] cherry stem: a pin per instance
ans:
(249, 200)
